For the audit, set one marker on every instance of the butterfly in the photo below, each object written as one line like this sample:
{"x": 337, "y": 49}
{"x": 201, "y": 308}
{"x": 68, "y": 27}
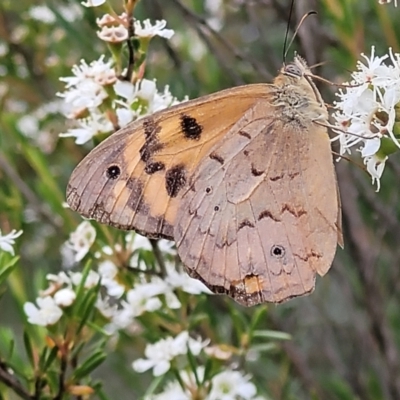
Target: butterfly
{"x": 243, "y": 180}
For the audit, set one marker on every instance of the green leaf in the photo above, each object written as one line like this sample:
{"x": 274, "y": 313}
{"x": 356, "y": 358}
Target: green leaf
{"x": 50, "y": 359}
{"x": 89, "y": 365}
{"x": 7, "y": 268}
{"x": 269, "y": 334}
{"x": 28, "y": 349}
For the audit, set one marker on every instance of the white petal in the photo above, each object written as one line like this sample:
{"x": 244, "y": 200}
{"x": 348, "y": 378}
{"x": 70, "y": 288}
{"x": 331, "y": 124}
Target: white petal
{"x": 161, "y": 368}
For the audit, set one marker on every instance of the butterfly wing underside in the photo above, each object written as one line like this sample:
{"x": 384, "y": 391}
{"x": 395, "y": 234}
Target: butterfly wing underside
{"x": 134, "y": 179}
{"x": 261, "y": 215}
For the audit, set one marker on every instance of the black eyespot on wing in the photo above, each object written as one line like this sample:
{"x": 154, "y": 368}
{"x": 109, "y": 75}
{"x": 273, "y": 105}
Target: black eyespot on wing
{"x": 190, "y": 127}
{"x": 277, "y": 251}
{"x": 113, "y": 172}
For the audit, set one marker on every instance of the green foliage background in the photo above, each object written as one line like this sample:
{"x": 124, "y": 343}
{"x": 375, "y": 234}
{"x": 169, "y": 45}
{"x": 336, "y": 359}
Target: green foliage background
{"x": 346, "y": 335}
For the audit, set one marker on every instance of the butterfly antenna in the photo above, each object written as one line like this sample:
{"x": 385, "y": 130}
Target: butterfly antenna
{"x": 297, "y": 30}
{"x": 285, "y": 47}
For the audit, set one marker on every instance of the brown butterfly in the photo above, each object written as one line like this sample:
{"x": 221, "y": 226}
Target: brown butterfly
{"x": 243, "y": 180}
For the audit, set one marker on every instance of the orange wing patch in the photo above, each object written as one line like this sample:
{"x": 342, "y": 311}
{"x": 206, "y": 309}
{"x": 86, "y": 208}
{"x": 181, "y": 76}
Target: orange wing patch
{"x": 134, "y": 179}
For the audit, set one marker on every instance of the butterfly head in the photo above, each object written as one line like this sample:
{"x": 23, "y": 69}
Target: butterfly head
{"x": 296, "y": 69}
{"x": 297, "y": 77}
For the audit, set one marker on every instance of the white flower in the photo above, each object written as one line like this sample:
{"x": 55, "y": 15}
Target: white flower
{"x": 113, "y": 34}
{"x": 105, "y": 307}
{"x": 89, "y": 127}
{"x": 4, "y": 49}
{"x": 47, "y": 312}
{"x": 149, "y": 30}
{"x": 56, "y": 282}
{"x": 375, "y": 166}
{"x": 7, "y": 241}
{"x": 125, "y": 115}
{"x": 367, "y": 110}
{"x": 85, "y": 89}
{"x": 108, "y": 272}
{"x": 28, "y": 125}
{"x": 387, "y": 2}
{"x": 160, "y": 354}
{"x": 140, "y": 99}
{"x": 231, "y": 385}
{"x": 172, "y": 391}
{"x": 143, "y": 298}
{"x": 112, "y": 20}
{"x": 220, "y": 352}
{"x": 92, "y": 279}
{"x": 60, "y": 279}
{"x": 93, "y": 3}
{"x": 81, "y": 240}
{"x": 64, "y": 297}
{"x": 184, "y": 282}
{"x": 42, "y": 14}
{"x": 88, "y": 94}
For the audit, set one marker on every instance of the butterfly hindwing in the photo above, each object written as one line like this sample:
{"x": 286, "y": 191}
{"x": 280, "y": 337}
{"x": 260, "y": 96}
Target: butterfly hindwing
{"x": 256, "y": 222}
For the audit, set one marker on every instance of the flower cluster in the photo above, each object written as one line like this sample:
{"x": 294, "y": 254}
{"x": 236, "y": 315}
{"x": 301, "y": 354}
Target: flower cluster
{"x": 118, "y": 302}
{"x": 368, "y": 113}
{"x": 96, "y": 99}
{"x": 224, "y": 385}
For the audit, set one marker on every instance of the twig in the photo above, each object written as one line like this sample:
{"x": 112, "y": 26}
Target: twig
{"x": 159, "y": 256}
{"x": 61, "y": 377}
{"x": 12, "y": 382}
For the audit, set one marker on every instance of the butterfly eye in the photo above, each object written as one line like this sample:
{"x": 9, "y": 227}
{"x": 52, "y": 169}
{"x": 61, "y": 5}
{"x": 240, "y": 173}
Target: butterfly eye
{"x": 216, "y": 208}
{"x": 113, "y": 172}
{"x": 278, "y": 251}
{"x": 293, "y": 70}
{"x": 208, "y": 190}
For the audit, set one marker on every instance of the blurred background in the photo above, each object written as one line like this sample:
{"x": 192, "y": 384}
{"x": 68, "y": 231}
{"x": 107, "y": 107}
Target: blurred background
{"x": 346, "y": 335}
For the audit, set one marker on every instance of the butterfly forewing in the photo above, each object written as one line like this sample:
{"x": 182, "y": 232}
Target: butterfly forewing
{"x": 134, "y": 179}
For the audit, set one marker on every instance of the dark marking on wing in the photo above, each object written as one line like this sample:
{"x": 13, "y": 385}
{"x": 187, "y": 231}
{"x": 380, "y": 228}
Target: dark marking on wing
{"x": 312, "y": 254}
{"x": 190, "y": 127}
{"x": 150, "y": 148}
{"x": 245, "y": 134}
{"x": 151, "y": 128}
{"x": 293, "y": 211}
{"x": 244, "y": 223}
{"x": 255, "y": 171}
{"x": 217, "y": 157}
{"x": 293, "y": 175}
{"x": 236, "y": 290}
{"x": 153, "y": 167}
{"x": 113, "y": 172}
{"x": 268, "y": 214}
{"x": 278, "y": 251}
{"x": 135, "y": 201}
{"x": 276, "y": 177}
{"x": 175, "y": 180}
